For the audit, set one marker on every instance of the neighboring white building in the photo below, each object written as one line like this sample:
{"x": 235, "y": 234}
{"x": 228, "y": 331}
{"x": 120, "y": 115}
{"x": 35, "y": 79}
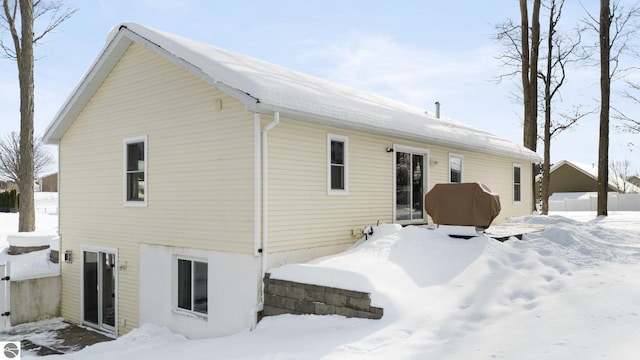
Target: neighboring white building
{"x": 186, "y": 171}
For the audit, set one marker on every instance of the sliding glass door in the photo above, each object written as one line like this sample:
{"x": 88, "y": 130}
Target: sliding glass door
{"x": 99, "y": 289}
{"x": 410, "y": 185}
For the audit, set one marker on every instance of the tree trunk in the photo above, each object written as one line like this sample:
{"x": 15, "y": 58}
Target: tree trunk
{"x": 26, "y": 222}
{"x": 533, "y": 76}
{"x": 546, "y": 165}
{"x": 530, "y": 80}
{"x": 525, "y": 69}
{"x": 605, "y": 93}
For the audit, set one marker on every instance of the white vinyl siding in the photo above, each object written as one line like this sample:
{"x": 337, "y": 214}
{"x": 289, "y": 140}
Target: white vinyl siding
{"x": 337, "y": 164}
{"x": 301, "y": 213}
{"x": 199, "y": 157}
{"x": 200, "y": 171}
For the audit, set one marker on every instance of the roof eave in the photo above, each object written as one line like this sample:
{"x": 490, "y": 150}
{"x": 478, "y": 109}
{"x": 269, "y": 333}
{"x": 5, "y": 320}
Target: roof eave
{"x": 86, "y": 88}
{"x": 104, "y": 64}
{"x": 265, "y": 108}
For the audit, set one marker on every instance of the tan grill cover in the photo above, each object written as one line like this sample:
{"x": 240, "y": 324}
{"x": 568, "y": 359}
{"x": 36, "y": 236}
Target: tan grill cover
{"x": 466, "y": 204}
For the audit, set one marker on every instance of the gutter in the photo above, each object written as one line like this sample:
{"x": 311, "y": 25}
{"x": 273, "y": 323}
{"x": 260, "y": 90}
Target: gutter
{"x": 264, "y": 250}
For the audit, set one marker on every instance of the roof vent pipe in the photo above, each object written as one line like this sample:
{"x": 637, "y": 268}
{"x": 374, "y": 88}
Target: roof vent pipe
{"x": 438, "y": 109}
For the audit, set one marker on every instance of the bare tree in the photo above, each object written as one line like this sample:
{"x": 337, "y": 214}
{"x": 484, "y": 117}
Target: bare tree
{"x": 613, "y": 45}
{"x": 620, "y": 172}
{"x": 561, "y": 50}
{"x": 630, "y": 124}
{"x": 18, "y": 19}
{"x": 10, "y": 157}
{"x": 523, "y": 50}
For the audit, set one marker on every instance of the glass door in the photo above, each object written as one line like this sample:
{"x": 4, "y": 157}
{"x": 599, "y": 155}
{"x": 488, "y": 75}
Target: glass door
{"x": 99, "y": 289}
{"x": 410, "y": 186}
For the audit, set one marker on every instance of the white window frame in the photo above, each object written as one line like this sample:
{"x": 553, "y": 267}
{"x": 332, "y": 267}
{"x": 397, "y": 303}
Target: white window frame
{"x": 513, "y": 182}
{"x": 461, "y": 165}
{"x": 174, "y": 293}
{"x": 345, "y": 141}
{"x": 133, "y": 140}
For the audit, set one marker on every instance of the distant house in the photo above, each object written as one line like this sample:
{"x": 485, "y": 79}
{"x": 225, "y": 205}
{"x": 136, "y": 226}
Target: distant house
{"x": 47, "y": 183}
{"x": 274, "y": 166}
{"x": 635, "y": 180}
{"x": 574, "y": 177}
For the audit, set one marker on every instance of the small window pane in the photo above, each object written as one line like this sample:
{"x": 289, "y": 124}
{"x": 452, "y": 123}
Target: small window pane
{"x": 135, "y": 157}
{"x": 337, "y": 177}
{"x": 337, "y": 152}
{"x": 417, "y": 190}
{"x": 403, "y": 186}
{"x": 455, "y": 169}
{"x": 200, "y": 287}
{"x": 184, "y": 284}
{"x": 337, "y": 165}
{"x": 135, "y": 186}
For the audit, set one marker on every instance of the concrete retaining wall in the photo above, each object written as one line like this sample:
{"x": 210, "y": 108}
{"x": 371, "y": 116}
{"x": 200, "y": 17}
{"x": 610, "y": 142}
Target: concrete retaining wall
{"x": 289, "y": 297}
{"x": 35, "y": 299}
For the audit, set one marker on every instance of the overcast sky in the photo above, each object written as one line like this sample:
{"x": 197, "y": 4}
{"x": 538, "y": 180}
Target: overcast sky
{"x": 418, "y": 52}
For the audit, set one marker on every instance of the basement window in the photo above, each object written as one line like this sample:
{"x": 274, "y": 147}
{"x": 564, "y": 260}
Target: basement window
{"x": 192, "y": 286}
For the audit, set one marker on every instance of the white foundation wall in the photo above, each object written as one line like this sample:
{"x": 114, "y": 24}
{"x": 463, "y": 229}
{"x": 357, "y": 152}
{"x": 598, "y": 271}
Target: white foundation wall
{"x": 234, "y": 285}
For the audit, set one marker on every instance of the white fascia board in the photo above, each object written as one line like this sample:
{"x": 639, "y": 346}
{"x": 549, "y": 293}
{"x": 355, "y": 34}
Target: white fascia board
{"x": 367, "y": 128}
{"x": 243, "y": 97}
{"x": 86, "y": 88}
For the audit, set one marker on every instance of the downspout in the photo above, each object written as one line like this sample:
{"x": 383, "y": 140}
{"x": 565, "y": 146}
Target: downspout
{"x": 264, "y": 249}
{"x": 256, "y": 184}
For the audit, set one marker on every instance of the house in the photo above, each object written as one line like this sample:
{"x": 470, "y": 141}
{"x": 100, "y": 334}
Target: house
{"x": 635, "y": 180}
{"x": 47, "y": 182}
{"x": 570, "y": 177}
{"x": 275, "y": 166}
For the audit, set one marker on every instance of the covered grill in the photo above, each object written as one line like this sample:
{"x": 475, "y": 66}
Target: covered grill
{"x": 462, "y": 204}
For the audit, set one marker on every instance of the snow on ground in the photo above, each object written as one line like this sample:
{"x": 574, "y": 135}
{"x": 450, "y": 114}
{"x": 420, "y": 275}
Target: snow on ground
{"x": 46, "y": 204}
{"x": 568, "y": 292}
{"x": 34, "y": 264}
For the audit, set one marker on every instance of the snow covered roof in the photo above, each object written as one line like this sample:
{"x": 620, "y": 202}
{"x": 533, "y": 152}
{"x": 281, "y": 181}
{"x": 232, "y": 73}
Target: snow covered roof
{"x": 615, "y": 182}
{"x": 265, "y": 88}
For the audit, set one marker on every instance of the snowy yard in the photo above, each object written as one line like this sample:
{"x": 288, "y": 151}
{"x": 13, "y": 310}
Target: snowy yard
{"x": 569, "y": 292}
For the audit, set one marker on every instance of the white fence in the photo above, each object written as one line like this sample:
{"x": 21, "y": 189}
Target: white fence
{"x": 5, "y": 296}
{"x": 615, "y": 202}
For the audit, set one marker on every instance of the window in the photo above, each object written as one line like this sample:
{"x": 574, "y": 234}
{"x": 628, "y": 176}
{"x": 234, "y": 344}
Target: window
{"x": 135, "y": 150}
{"x": 337, "y": 160}
{"x": 517, "y": 186}
{"x": 455, "y": 168}
{"x": 192, "y": 286}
